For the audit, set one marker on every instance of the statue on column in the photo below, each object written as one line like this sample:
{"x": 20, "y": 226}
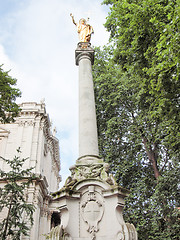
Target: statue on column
{"x": 84, "y": 29}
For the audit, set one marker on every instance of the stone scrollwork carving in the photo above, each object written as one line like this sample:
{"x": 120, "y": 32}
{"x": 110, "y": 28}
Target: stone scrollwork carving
{"x": 120, "y": 236}
{"x": 70, "y": 182}
{"x": 3, "y": 133}
{"x": 127, "y": 231}
{"x": 90, "y": 171}
{"x": 80, "y": 172}
{"x": 131, "y": 231}
{"x": 67, "y": 237}
{"x": 58, "y": 233}
{"x": 92, "y": 210}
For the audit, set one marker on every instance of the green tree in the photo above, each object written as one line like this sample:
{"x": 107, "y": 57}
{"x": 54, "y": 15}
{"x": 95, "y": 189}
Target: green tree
{"x": 8, "y": 94}
{"x": 137, "y": 96}
{"x": 13, "y": 198}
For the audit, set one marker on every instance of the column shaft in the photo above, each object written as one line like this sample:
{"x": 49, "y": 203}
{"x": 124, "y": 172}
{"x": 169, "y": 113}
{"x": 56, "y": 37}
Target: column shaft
{"x": 88, "y": 139}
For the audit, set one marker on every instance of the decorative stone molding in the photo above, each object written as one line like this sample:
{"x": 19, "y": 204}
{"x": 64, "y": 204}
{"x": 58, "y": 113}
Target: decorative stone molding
{"x": 53, "y": 146}
{"x": 127, "y": 231}
{"x": 45, "y": 149}
{"x": 58, "y": 233}
{"x": 41, "y": 126}
{"x": 3, "y": 133}
{"x": 84, "y": 50}
{"x": 89, "y": 171}
{"x": 37, "y": 198}
{"x": 33, "y": 114}
{"x": 49, "y": 215}
{"x": 120, "y": 236}
{"x": 45, "y": 208}
{"x": 66, "y": 236}
{"x": 131, "y": 231}
{"x": 26, "y": 123}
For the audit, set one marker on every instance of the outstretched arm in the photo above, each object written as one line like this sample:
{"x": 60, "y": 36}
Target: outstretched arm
{"x": 73, "y": 19}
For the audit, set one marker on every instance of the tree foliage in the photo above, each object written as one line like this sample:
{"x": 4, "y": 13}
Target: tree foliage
{"x": 137, "y": 96}
{"x": 13, "y": 200}
{"x": 8, "y": 94}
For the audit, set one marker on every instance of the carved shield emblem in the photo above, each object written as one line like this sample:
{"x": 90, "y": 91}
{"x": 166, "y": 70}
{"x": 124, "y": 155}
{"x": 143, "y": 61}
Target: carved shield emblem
{"x": 92, "y": 212}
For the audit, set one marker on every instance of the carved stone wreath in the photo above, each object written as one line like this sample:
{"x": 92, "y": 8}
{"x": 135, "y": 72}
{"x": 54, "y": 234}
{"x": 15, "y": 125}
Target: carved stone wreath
{"x": 96, "y": 171}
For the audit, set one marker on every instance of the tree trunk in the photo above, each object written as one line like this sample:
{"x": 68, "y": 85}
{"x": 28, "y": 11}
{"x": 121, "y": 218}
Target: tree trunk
{"x": 152, "y": 157}
{"x": 7, "y": 220}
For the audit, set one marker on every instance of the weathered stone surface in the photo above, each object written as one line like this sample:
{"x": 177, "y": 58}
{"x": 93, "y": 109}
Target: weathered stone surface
{"x": 92, "y": 209}
{"x": 32, "y": 133}
{"x": 88, "y": 141}
{"x": 91, "y": 203}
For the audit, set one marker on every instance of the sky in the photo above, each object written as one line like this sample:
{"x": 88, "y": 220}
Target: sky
{"x": 37, "y": 43}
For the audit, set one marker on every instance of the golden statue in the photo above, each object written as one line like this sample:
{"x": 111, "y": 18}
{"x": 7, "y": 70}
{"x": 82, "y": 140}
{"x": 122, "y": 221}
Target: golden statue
{"x": 84, "y": 30}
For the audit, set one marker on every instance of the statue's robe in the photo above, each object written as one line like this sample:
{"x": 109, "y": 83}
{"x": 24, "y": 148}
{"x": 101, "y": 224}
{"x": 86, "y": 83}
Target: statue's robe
{"x": 85, "y": 32}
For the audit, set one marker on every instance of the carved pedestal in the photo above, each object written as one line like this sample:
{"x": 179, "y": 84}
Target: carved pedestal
{"x": 91, "y": 206}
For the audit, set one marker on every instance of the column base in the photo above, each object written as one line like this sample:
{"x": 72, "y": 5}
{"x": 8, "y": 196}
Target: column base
{"x": 89, "y": 159}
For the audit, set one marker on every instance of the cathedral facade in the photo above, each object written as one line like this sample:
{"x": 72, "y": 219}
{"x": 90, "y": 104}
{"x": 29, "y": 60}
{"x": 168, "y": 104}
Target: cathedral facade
{"x": 31, "y": 132}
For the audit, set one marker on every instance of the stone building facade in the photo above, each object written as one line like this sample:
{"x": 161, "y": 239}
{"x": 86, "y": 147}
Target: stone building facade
{"x": 32, "y": 133}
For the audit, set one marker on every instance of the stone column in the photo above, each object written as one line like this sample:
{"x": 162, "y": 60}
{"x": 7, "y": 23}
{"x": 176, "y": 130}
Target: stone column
{"x": 88, "y": 139}
{"x": 91, "y": 202}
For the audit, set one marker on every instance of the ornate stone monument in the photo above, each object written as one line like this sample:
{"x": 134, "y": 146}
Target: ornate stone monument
{"x": 91, "y": 202}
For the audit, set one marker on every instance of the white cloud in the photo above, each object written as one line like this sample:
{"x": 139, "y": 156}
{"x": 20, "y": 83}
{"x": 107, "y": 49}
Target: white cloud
{"x": 41, "y": 45}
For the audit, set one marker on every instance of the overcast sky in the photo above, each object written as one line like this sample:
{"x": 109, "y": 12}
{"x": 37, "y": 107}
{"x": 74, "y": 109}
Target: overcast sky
{"x": 38, "y": 42}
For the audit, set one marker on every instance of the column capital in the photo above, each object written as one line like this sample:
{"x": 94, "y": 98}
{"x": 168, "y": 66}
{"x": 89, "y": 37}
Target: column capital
{"x": 84, "y": 50}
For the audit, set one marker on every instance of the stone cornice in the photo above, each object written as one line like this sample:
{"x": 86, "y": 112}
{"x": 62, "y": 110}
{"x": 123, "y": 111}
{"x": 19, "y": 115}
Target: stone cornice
{"x": 3, "y": 133}
{"x": 38, "y": 180}
{"x": 31, "y": 113}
